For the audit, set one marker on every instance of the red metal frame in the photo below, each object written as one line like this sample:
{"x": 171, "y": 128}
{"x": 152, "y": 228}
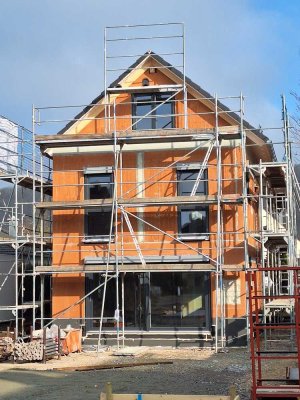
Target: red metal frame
{"x": 259, "y": 387}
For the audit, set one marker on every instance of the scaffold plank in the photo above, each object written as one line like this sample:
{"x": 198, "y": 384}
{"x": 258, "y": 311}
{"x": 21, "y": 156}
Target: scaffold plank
{"x": 48, "y": 269}
{"x": 139, "y": 202}
{"x": 163, "y": 134}
{"x": 133, "y": 137}
{"x": 28, "y": 181}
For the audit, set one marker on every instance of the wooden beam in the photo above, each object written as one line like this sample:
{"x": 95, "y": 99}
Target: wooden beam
{"x": 232, "y": 268}
{"x": 154, "y": 267}
{"x": 121, "y": 135}
{"x": 139, "y": 202}
{"x": 138, "y": 136}
{"x": 112, "y": 366}
{"x": 52, "y": 269}
{"x": 119, "y": 396}
{"x": 108, "y": 391}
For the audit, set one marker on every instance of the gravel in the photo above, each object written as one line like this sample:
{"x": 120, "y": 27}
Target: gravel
{"x": 193, "y": 371}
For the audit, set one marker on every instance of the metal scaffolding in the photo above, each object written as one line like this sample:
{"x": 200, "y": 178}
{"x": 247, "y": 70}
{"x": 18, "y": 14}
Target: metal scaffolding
{"x": 128, "y": 248}
{"x": 18, "y": 226}
{"x": 274, "y": 283}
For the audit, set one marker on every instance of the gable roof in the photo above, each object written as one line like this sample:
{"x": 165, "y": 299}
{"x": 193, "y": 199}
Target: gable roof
{"x": 189, "y": 82}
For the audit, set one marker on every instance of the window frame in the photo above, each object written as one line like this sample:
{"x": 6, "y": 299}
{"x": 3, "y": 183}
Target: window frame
{"x": 154, "y": 103}
{"x": 193, "y": 236}
{"x": 101, "y": 171}
{"x": 193, "y": 168}
{"x": 200, "y": 207}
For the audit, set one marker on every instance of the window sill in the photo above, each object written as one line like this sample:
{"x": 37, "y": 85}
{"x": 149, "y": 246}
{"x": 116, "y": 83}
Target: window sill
{"x": 192, "y": 238}
{"x": 98, "y": 239}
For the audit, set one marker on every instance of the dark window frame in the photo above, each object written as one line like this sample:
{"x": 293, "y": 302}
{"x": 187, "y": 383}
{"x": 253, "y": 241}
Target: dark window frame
{"x": 101, "y": 237}
{"x": 154, "y": 101}
{"x": 192, "y": 236}
{"x": 203, "y": 181}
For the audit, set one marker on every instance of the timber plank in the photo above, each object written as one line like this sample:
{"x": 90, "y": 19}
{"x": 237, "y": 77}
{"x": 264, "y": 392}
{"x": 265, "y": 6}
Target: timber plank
{"x": 124, "y": 268}
{"x": 112, "y": 366}
{"x": 137, "y": 202}
{"x": 121, "y": 396}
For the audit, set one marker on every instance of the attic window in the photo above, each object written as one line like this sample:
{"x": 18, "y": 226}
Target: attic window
{"x": 147, "y": 115}
{"x": 152, "y": 70}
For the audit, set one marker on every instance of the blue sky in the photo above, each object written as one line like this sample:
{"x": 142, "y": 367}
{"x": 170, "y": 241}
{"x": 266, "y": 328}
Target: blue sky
{"x": 52, "y": 50}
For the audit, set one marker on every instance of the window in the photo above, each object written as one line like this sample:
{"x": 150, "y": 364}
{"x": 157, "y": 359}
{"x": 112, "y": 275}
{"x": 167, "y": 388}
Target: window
{"x": 179, "y": 299}
{"x": 161, "y": 118}
{"x": 186, "y": 180}
{"x": 97, "y": 221}
{"x": 192, "y": 220}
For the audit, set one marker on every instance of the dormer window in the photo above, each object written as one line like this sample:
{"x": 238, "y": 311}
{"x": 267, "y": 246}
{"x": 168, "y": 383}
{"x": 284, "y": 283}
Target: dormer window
{"x": 146, "y": 105}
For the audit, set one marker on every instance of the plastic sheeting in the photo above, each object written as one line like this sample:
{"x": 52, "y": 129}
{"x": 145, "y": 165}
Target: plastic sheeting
{"x": 8, "y": 145}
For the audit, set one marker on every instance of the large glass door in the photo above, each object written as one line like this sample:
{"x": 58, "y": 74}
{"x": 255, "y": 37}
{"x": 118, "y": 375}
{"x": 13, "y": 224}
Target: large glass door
{"x": 180, "y": 300}
{"x": 136, "y": 301}
{"x": 93, "y": 302}
{"x": 156, "y": 300}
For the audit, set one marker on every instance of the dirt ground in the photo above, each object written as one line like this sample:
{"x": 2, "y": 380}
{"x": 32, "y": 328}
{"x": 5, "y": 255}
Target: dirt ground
{"x": 193, "y": 371}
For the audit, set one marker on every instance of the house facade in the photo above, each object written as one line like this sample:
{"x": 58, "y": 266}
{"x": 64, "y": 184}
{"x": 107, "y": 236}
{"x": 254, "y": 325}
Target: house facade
{"x": 152, "y": 210}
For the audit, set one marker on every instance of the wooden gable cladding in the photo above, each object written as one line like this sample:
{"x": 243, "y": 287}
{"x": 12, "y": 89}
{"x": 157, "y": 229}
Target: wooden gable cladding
{"x": 200, "y": 115}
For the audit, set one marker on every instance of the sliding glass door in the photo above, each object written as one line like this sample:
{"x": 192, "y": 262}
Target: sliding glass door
{"x": 156, "y": 300}
{"x": 179, "y": 300}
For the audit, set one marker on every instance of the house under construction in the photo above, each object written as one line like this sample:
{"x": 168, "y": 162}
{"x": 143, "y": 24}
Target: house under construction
{"x": 163, "y": 198}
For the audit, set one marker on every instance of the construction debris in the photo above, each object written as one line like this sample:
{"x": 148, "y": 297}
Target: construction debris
{"x": 32, "y": 351}
{"x": 6, "y": 348}
{"x": 71, "y": 341}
